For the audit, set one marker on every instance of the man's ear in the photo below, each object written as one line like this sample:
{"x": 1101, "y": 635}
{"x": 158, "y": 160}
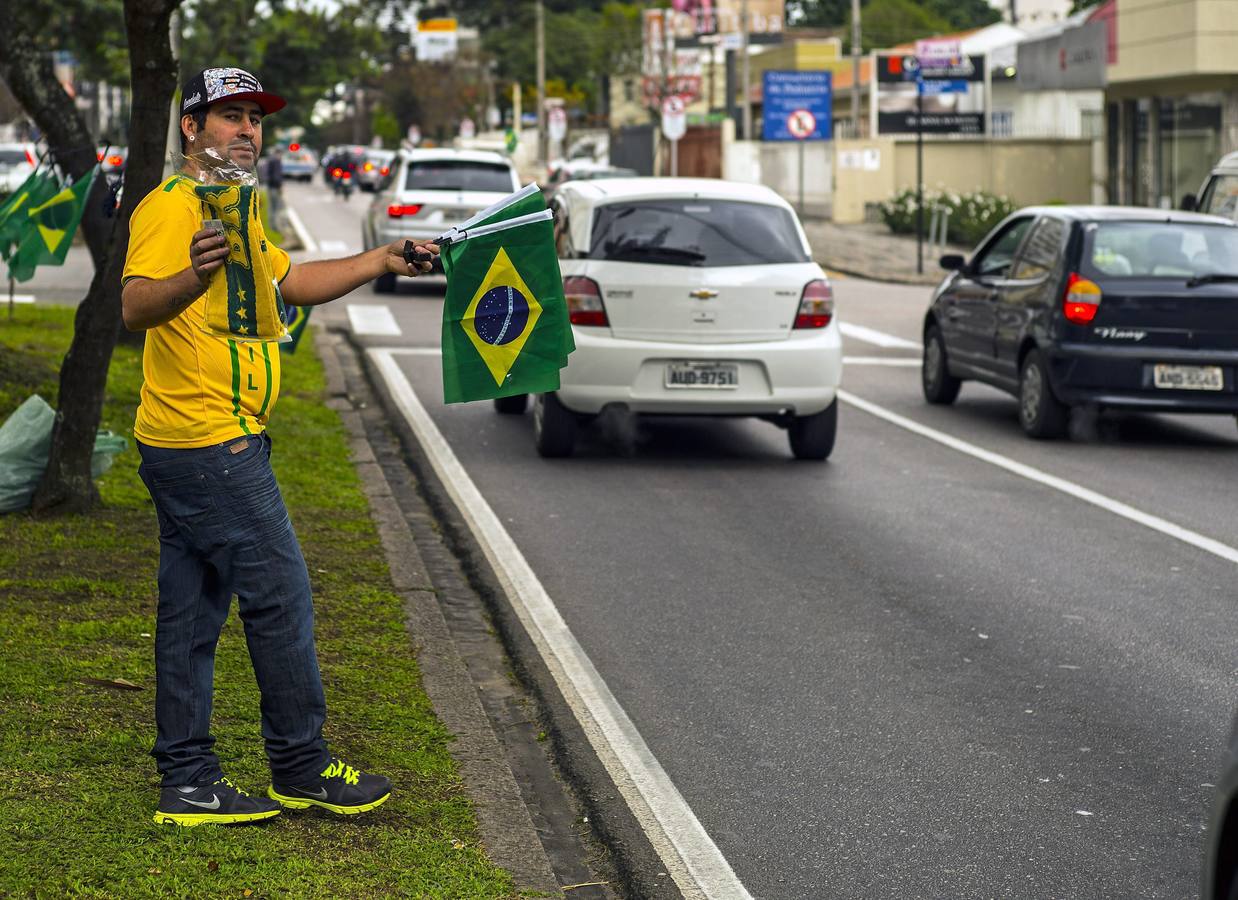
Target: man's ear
{"x": 189, "y": 128}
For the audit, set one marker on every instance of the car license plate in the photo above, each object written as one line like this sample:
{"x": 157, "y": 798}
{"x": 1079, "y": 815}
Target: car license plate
{"x": 713, "y": 375}
{"x": 1188, "y": 378}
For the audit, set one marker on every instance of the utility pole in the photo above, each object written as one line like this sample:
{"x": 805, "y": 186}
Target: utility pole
{"x": 855, "y": 69}
{"x": 541, "y": 84}
{"x": 745, "y": 69}
{"x": 1014, "y": 16}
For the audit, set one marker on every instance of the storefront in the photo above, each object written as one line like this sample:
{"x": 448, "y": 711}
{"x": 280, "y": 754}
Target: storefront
{"x": 1172, "y": 97}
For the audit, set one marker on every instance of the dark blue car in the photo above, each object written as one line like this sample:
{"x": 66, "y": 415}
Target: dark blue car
{"x": 1106, "y": 307}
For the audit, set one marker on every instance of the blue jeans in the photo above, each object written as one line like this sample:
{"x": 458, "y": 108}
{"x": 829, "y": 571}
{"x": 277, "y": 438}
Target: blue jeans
{"x": 224, "y": 530}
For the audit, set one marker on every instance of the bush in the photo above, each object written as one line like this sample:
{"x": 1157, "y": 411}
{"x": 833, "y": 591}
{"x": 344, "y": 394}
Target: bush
{"x": 972, "y": 215}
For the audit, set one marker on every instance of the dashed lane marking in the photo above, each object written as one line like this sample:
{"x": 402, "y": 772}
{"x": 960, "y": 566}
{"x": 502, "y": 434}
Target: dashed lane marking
{"x": 372, "y": 319}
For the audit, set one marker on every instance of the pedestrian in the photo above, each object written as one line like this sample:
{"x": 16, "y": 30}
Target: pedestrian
{"x": 223, "y": 526}
{"x": 274, "y": 180}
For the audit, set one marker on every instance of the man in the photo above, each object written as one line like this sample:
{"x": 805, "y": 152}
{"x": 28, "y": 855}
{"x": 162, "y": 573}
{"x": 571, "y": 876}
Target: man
{"x": 223, "y": 527}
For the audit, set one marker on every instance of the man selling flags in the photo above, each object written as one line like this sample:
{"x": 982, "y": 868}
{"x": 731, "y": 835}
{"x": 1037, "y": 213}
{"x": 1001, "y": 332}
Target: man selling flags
{"x": 505, "y": 323}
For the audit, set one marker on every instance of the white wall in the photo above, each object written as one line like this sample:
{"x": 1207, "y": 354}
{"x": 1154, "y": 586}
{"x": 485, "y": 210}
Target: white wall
{"x": 1043, "y": 114}
{"x": 777, "y": 165}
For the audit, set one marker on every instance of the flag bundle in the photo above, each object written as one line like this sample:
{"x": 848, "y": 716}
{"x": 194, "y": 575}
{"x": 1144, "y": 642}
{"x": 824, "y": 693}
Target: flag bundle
{"x": 38, "y": 220}
{"x": 505, "y": 324}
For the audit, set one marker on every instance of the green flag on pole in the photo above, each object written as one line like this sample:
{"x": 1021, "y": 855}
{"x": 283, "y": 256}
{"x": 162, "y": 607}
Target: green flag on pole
{"x": 49, "y": 230}
{"x": 297, "y": 319}
{"x": 505, "y": 325}
{"x": 36, "y": 189}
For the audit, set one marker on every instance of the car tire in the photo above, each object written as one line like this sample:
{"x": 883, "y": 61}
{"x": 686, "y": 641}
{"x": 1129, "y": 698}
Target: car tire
{"x": 812, "y": 437}
{"x": 511, "y": 406}
{"x": 385, "y": 283}
{"x": 1041, "y": 415}
{"x": 939, "y": 386}
{"x": 554, "y": 427}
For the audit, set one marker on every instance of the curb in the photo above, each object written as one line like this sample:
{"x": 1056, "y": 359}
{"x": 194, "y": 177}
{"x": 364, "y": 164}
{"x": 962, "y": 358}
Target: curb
{"x": 506, "y": 827}
{"x": 925, "y": 280}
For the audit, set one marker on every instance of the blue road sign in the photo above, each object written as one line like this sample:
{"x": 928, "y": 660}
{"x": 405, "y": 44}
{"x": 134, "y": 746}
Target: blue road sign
{"x": 931, "y": 87}
{"x": 798, "y": 106}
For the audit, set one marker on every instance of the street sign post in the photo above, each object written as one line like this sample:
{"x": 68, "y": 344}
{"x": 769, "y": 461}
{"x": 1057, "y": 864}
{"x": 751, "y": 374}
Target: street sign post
{"x": 674, "y": 127}
{"x": 798, "y": 107}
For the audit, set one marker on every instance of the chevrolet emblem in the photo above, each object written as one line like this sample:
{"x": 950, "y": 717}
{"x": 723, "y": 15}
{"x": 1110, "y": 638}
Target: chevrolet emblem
{"x": 704, "y": 294}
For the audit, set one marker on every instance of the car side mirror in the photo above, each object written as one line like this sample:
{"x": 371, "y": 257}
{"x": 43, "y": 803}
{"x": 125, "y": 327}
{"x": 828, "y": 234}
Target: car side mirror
{"x": 1190, "y": 203}
{"x": 952, "y": 262}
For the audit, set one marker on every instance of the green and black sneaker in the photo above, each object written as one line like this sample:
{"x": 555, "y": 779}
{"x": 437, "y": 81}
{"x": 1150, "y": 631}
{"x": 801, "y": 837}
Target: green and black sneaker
{"x": 218, "y": 803}
{"x": 340, "y": 788}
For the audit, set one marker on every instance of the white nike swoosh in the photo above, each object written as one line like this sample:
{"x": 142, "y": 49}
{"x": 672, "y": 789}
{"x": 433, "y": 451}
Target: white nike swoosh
{"x": 212, "y": 804}
{"x": 321, "y": 793}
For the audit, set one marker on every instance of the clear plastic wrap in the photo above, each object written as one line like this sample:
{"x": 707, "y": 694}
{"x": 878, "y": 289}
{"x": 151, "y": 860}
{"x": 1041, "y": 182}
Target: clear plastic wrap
{"x": 243, "y": 301}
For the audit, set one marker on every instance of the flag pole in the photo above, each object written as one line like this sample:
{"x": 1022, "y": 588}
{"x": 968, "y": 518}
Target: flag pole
{"x": 12, "y": 302}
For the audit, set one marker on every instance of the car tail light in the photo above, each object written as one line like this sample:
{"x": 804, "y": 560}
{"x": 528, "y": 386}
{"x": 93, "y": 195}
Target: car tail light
{"x": 584, "y": 301}
{"x": 115, "y": 160}
{"x": 384, "y": 171}
{"x": 816, "y": 305}
{"x": 369, "y": 167}
{"x": 98, "y": 156}
{"x": 337, "y": 172}
{"x": 294, "y": 147}
{"x": 346, "y": 175}
{"x": 396, "y": 210}
{"x": 1081, "y": 299}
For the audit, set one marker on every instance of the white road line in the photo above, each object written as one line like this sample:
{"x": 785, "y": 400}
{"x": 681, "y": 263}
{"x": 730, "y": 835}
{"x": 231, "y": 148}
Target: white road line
{"x": 333, "y": 246}
{"x": 881, "y": 361}
{"x": 871, "y": 336}
{"x": 689, "y": 854}
{"x": 17, "y": 298}
{"x": 1207, "y": 544}
{"x": 372, "y": 319}
{"x": 303, "y": 235}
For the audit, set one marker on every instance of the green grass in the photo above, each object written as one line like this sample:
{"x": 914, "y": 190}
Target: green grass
{"x": 77, "y": 601}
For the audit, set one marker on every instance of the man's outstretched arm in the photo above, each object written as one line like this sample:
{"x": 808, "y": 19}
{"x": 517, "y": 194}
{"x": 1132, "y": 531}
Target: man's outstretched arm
{"x": 311, "y": 283}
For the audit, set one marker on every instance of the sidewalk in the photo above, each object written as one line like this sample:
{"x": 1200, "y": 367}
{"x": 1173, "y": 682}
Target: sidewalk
{"x": 872, "y": 251}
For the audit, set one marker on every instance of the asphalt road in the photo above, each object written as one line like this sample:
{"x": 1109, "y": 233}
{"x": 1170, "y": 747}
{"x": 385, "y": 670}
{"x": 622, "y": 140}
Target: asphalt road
{"x": 906, "y": 672}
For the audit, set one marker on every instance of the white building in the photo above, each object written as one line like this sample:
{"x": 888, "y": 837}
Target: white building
{"x": 1032, "y": 13}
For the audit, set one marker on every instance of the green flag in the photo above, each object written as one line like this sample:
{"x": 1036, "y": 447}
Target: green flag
{"x": 505, "y": 326}
{"x": 40, "y": 186}
{"x": 49, "y": 230}
{"x": 298, "y": 318}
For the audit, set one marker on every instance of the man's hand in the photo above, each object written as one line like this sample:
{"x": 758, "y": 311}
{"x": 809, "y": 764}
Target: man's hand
{"x": 398, "y": 265}
{"x": 207, "y": 251}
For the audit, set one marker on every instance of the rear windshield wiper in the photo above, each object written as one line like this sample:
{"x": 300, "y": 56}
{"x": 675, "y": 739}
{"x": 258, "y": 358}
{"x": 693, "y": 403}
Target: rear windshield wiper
{"x": 1211, "y": 278}
{"x": 634, "y": 249}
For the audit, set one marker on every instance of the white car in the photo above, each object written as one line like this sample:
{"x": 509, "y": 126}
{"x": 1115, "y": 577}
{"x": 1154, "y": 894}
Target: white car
{"x": 691, "y": 297}
{"x": 17, "y": 161}
{"x": 426, "y": 192}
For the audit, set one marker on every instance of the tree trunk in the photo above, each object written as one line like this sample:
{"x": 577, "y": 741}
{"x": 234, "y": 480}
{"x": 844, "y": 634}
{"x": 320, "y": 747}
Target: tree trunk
{"x": 67, "y": 486}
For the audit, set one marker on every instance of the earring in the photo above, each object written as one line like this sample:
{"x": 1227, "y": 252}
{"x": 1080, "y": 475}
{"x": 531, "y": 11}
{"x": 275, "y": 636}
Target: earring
{"x": 191, "y": 137}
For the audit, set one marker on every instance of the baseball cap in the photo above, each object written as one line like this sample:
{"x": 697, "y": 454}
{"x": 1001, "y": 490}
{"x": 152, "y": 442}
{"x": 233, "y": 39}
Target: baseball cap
{"x": 228, "y": 83}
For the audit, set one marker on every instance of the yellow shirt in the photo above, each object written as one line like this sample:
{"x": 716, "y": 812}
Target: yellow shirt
{"x": 197, "y": 389}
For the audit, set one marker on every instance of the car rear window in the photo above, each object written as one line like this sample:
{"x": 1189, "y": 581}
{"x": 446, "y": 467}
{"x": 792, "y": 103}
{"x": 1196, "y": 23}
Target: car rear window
{"x": 1159, "y": 250}
{"x": 452, "y": 175}
{"x": 12, "y": 157}
{"x": 696, "y": 233}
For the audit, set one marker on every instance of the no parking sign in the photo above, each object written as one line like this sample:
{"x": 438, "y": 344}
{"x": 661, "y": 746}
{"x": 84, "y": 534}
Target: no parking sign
{"x": 798, "y": 106}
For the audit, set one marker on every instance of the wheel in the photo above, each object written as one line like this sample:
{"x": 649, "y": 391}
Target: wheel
{"x": 511, "y": 406}
{"x": 554, "y": 427}
{"x": 812, "y": 437}
{"x": 1041, "y": 414}
{"x": 385, "y": 283}
{"x": 940, "y": 387}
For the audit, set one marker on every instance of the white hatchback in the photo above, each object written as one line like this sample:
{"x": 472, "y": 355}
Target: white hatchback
{"x": 691, "y": 297}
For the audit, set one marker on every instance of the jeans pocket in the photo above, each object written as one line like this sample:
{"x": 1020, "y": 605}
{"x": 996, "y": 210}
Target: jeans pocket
{"x": 184, "y": 498}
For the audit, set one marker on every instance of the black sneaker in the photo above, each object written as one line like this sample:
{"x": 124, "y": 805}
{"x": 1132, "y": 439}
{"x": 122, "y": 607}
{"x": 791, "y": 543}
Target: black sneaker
{"x": 219, "y": 803}
{"x": 340, "y": 788}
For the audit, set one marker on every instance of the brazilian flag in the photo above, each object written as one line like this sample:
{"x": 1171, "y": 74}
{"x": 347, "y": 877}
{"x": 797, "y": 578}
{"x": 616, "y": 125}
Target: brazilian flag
{"x": 505, "y": 325}
{"x": 40, "y": 186}
{"x": 297, "y": 318}
{"x": 50, "y": 227}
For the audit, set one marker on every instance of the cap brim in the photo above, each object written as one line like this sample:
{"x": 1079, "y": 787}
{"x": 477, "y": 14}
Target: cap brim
{"x": 268, "y": 103}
